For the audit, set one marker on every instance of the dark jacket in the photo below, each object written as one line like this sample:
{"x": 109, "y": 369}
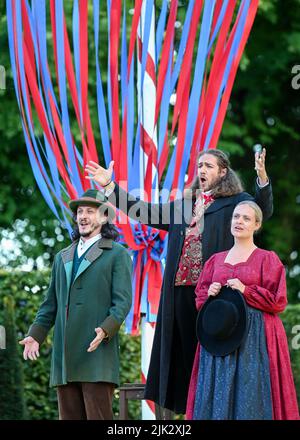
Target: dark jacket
{"x": 100, "y": 296}
{"x": 175, "y": 217}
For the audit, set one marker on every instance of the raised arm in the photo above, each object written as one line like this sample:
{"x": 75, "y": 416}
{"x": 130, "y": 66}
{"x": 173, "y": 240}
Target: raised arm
{"x": 263, "y": 188}
{"x": 153, "y": 214}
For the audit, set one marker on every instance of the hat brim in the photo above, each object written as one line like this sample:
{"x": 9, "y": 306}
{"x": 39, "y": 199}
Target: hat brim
{"x": 216, "y": 346}
{"x": 89, "y": 201}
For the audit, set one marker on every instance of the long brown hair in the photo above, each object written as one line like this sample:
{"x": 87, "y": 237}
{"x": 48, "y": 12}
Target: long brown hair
{"x": 228, "y": 185}
{"x": 108, "y": 230}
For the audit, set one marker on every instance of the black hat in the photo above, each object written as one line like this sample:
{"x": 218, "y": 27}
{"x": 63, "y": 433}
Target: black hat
{"x": 93, "y": 197}
{"x": 222, "y": 322}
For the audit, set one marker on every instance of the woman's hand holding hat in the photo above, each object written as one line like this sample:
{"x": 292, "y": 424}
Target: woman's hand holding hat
{"x": 236, "y": 284}
{"x": 222, "y": 320}
{"x": 214, "y": 289}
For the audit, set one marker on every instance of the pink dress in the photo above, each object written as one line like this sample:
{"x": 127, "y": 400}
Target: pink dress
{"x": 263, "y": 274}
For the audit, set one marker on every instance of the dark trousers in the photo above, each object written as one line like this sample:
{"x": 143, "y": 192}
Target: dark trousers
{"x": 85, "y": 401}
{"x": 184, "y": 346}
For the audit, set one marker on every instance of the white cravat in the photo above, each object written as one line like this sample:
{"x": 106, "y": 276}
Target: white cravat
{"x": 84, "y": 245}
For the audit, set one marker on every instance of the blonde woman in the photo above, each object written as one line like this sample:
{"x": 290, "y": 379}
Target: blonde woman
{"x": 254, "y": 381}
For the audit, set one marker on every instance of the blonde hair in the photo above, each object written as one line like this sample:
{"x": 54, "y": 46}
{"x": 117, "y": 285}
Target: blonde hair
{"x": 256, "y": 209}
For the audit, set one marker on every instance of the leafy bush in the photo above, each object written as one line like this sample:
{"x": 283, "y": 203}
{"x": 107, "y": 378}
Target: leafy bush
{"x": 291, "y": 322}
{"x": 12, "y": 404}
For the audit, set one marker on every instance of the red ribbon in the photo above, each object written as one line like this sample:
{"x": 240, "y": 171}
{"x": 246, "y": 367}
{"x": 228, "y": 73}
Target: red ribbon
{"x": 249, "y": 22}
{"x": 169, "y": 36}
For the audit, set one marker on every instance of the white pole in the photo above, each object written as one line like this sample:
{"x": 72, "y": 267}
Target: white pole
{"x": 147, "y": 109}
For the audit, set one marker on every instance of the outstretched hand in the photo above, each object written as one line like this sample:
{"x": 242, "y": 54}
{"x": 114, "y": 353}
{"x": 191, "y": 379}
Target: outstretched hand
{"x": 31, "y": 348}
{"x": 99, "y": 174}
{"x": 260, "y": 167}
{"x": 97, "y": 340}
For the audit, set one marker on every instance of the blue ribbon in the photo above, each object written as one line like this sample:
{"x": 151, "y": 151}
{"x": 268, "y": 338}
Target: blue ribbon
{"x": 130, "y": 124}
{"x": 197, "y": 86}
{"x": 232, "y": 54}
{"x": 108, "y": 67}
{"x": 39, "y": 14}
{"x": 73, "y": 171}
{"x": 160, "y": 29}
{"x": 76, "y": 50}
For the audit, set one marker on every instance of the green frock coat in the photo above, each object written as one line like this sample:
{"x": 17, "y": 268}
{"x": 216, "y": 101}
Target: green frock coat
{"x": 100, "y": 296}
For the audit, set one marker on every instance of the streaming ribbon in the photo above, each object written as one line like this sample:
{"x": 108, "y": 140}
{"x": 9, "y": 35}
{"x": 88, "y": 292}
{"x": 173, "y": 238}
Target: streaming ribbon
{"x": 136, "y": 123}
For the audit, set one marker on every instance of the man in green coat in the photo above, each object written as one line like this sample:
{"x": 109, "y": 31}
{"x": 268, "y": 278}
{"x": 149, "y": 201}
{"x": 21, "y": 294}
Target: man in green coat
{"x": 90, "y": 292}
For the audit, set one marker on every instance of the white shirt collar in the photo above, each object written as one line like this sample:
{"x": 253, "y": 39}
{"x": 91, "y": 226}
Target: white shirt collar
{"x": 207, "y": 193}
{"x": 84, "y": 245}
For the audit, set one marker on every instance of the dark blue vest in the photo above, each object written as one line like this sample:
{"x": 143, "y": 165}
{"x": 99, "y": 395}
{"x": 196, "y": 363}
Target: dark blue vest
{"x": 76, "y": 263}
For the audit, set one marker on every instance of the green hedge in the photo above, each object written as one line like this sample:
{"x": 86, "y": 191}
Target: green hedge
{"x": 12, "y": 403}
{"x": 28, "y": 290}
{"x": 291, "y": 322}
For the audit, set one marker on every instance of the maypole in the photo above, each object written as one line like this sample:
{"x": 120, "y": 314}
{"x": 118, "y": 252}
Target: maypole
{"x": 146, "y": 92}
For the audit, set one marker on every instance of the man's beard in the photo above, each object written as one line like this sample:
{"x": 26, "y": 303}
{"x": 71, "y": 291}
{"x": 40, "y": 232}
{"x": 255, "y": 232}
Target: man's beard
{"x": 212, "y": 185}
{"x": 85, "y": 234}
{"x": 89, "y": 232}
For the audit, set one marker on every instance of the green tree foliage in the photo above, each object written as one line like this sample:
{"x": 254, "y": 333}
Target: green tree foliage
{"x": 12, "y": 403}
{"x": 28, "y": 289}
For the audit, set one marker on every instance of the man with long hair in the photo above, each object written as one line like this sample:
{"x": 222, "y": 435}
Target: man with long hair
{"x": 198, "y": 226}
{"x": 89, "y": 292}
